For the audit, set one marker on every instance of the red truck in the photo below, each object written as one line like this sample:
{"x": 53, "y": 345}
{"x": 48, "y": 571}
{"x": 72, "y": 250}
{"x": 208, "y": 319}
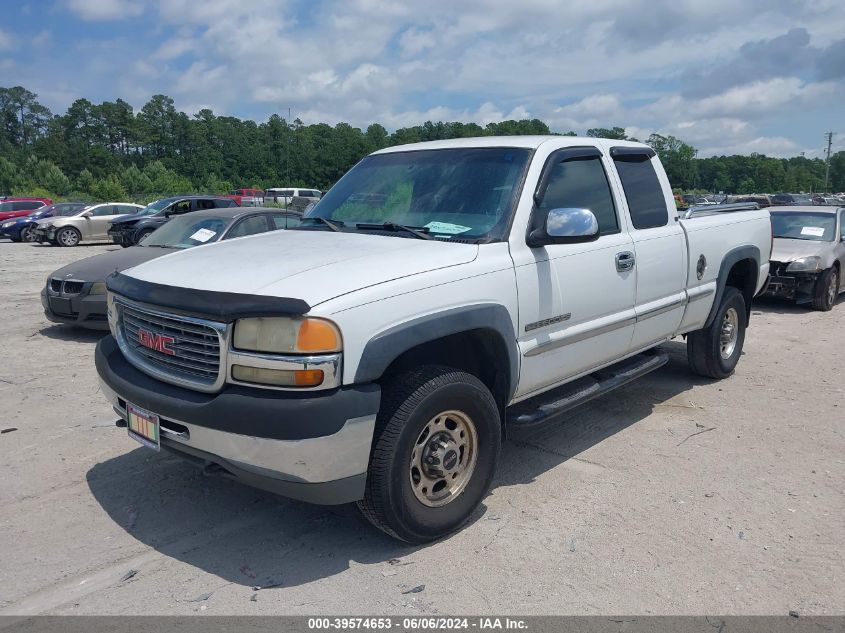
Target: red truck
{"x": 19, "y": 207}
{"x": 247, "y": 197}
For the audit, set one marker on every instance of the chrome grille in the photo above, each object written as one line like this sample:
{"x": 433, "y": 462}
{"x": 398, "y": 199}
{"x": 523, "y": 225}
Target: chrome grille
{"x": 195, "y": 346}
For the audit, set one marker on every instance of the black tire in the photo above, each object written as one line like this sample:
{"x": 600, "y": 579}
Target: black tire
{"x": 68, "y": 236}
{"x": 827, "y": 290}
{"x": 705, "y": 347}
{"x": 141, "y": 235}
{"x": 410, "y": 404}
{"x": 28, "y": 234}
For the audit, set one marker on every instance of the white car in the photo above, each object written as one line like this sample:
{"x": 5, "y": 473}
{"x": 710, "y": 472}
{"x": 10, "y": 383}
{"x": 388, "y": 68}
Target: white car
{"x": 285, "y": 195}
{"x": 439, "y": 295}
{"x": 90, "y": 224}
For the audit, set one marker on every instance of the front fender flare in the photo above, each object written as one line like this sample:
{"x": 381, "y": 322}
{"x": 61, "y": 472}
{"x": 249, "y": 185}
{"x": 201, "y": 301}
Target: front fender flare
{"x": 381, "y": 350}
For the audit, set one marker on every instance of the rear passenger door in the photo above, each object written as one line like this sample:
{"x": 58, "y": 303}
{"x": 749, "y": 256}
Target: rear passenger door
{"x": 100, "y": 219}
{"x": 660, "y": 257}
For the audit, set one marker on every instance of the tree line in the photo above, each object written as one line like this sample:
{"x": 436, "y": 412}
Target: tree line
{"x": 110, "y": 151}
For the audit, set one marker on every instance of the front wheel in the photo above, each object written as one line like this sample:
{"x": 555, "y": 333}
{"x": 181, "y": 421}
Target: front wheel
{"x": 438, "y": 437}
{"x": 141, "y": 236}
{"x": 28, "y": 234}
{"x": 714, "y": 351}
{"x": 68, "y": 236}
{"x": 826, "y": 290}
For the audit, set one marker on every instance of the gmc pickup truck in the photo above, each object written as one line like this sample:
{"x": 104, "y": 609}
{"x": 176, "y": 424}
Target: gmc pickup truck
{"x": 438, "y": 297}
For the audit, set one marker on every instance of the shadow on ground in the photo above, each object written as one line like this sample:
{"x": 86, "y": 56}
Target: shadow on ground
{"x": 769, "y": 305}
{"x": 72, "y": 333}
{"x": 249, "y": 537}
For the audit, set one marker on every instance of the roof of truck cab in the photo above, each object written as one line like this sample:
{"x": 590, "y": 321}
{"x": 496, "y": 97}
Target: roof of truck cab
{"x": 528, "y": 142}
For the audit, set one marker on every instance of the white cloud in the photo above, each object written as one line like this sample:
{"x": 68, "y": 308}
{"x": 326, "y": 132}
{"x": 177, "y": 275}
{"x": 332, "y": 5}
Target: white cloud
{"x": 97, "y": 10}
{"x": 5, "y": 40}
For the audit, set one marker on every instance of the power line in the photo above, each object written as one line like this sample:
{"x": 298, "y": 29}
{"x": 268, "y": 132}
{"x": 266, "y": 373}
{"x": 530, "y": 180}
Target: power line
{"x": 829, "y": 137}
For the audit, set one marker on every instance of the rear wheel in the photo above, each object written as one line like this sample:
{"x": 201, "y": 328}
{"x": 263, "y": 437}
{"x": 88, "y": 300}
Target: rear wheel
{"x": 826, "y": 290}
{"x": 68, "y": 236}
{"x": 714, "y": 351}
{"x": 437, "y": 443}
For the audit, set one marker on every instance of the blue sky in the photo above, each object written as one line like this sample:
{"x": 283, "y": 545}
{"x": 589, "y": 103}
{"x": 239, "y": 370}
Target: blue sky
{"x": 728, "y": 76}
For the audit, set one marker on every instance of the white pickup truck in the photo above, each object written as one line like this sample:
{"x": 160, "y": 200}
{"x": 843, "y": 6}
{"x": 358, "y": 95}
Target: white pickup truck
{"x": 438, "y": 296}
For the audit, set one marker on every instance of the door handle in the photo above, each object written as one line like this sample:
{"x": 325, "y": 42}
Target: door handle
{"x": 625, "y": 261}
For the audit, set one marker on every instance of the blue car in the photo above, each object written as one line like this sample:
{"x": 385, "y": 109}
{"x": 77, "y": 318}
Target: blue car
{"x": 23, "y": 229}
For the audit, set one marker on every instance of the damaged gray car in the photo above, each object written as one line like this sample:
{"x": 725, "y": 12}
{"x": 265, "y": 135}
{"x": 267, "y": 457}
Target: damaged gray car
{"x": 808, "y": 254}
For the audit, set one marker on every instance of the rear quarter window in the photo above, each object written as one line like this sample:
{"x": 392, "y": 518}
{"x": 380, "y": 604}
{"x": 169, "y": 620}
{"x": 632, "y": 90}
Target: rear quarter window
{"x": 642, "y": 191}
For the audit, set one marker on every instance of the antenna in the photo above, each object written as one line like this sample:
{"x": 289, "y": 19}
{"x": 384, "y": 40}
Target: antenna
{"x": 829, "y": 137}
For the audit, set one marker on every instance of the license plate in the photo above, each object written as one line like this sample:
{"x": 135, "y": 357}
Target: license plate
{"x": 143, "y": 427}
{"x": 60, "y": 305}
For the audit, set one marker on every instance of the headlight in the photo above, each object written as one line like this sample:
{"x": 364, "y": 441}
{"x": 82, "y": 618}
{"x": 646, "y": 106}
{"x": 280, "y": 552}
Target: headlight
{"x": 284, "y": 335}
{"x": 805, "y": 265}
{"x": 6, "y": 225}
{"x": 98, "y": 288}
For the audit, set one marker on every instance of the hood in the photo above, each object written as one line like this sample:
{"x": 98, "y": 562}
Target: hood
{"x": 98, "y": 267}
{"x": 786, "y": 250}
{"x": 314, "y": 266}
{"x": 133, "y": 217}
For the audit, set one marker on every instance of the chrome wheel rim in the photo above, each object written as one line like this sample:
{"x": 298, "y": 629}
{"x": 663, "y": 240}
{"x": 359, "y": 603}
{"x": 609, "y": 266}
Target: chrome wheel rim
{"x": 729, "y": 333}
{"x": 28, "y": 234}
{"x": 832, "y": 288}
{"x": 443, "y": 458}
{"x": 68, "y": 238}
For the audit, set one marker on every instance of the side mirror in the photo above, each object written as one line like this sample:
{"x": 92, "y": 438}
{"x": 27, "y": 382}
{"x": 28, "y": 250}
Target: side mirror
{"x": 565, "y": 226}
{"x": 86, "y": 214}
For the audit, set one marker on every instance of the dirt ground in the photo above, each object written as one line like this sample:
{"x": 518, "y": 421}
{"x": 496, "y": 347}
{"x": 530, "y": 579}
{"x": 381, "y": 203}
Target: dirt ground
{"x": 674, "y": 495}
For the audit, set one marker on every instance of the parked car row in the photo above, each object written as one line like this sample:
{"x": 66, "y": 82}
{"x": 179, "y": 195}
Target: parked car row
{"x": 76, "y": 293}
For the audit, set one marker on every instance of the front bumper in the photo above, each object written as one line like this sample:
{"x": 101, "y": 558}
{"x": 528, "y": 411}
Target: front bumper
{"x": 787, "y": 285}
{"x": 84, "y": 310}
{"x": 121, "y": 237}
{"x": 305, "y": 445}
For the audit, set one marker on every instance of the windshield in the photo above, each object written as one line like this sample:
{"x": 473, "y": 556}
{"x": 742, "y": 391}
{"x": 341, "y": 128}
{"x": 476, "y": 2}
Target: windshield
{"x": 816, "y": 227}
{"x": 466, "y": 193}
{"x": 155, "y": 207}
{"x": 186, "y": 231}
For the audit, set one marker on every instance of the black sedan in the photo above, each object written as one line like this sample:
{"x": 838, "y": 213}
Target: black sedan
{"x": 128, "y": 230}
{"x": 76, "y": 294}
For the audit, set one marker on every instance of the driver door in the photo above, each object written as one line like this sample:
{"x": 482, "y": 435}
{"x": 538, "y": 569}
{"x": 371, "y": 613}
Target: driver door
{"x": 576, "y": 300}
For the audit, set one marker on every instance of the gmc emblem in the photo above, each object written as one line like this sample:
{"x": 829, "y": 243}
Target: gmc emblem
{"x": 156, "y": 342}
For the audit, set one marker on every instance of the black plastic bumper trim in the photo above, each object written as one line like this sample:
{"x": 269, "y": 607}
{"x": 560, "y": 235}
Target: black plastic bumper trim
{"x": 243, "y": 410}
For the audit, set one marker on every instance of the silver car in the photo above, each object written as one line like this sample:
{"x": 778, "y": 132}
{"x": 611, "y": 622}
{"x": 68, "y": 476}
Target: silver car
{"x": 808, "y": 254}
{"x": 92, "y": 223}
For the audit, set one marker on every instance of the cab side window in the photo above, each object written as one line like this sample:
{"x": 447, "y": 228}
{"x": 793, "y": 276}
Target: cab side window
{"x": 582, "y": 184}
{"x": 643, "y": 191}
{"x": 106, "y": 209}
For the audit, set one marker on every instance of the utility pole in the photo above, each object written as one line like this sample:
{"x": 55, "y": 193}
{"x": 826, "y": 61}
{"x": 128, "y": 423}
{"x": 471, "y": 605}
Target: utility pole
{"x": 829, "y": 136}
{"x": 287, "y": 150}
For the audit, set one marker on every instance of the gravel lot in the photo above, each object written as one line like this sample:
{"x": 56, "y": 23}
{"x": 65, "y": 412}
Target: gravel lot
{"x": 674, "y": 495}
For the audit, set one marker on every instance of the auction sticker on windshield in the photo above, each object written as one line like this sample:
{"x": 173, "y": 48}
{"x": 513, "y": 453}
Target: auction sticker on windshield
{"x": 815, "y": 231}
{"x": 143, "y": 427}
{"x": 447, "y": 228}
{"x": 203, "y": 235}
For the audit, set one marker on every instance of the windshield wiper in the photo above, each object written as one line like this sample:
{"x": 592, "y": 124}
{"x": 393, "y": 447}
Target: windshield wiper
{"x": 334, "y": 226}
{"x": 420, "y": 232}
